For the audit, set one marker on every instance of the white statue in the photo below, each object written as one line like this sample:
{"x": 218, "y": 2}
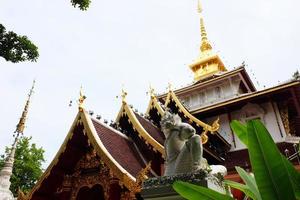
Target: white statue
{"x": 183, "y": 148}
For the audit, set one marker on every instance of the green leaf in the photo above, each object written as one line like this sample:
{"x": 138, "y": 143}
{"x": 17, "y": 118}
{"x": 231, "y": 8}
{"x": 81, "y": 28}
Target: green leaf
{"x": 271, "y": 175}
{"x": 240, "y": 130}
{"x": 195, "y": 192}
{"x": 294, "y": 175}
{"x": 241, "y": 187}
{"x": 249, "y": 181}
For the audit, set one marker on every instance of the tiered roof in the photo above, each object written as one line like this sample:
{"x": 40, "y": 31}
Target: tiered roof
{"x": 125, "y": 148}
{"x": 125, "y": 162}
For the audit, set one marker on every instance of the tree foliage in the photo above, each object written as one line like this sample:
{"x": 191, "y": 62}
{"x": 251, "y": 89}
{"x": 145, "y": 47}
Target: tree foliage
{"x": 27, "y": 166}
{"x": 16, "y": 48}
{"x": 82, "y": 4}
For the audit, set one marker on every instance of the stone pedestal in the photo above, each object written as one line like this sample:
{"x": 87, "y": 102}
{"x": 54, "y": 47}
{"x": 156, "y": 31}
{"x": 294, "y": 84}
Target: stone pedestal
{"x": 160, "y": 188}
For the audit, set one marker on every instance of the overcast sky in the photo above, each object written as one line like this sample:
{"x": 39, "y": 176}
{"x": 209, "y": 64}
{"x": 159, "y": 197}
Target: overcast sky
{"x": 135, "y": 43}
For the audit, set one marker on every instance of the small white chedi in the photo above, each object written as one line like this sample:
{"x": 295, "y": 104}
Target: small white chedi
{"x": 5, "y": 174}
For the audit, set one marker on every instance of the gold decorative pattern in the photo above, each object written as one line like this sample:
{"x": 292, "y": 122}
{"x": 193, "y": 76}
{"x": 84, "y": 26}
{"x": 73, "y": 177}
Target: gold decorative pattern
{"x": 119, "y": 172}
{"x": 78, "y": 179}
{"x": 122, "y": 174}
{"x": 284, "y": 114}
{"x": 140, "y": 178}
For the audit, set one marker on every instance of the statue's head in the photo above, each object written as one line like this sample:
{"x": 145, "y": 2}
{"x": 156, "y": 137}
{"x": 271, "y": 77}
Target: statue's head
{"x": 169, "y": 121}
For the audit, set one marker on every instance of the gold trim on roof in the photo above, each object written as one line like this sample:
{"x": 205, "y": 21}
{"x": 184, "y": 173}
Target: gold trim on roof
{"x": 213, "y": 128}
{"x": 55, "y": 160}
{"x": 104, "y": 154}
{"x": 153, "y": 103}
{"x": 140, "y": 129}
{"x": 82, "y": 117}
{"x": 206, "y": 128}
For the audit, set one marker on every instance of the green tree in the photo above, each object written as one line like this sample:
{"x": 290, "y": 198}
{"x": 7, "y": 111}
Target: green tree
{"x": 27, "y": 166}
{"x": 82, "y": 4}
{"x": 16, "y": 48}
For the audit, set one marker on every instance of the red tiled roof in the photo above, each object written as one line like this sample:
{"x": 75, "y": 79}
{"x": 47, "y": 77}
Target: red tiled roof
{"x": 120, "y": 148}
{"x": 151, "y": 129}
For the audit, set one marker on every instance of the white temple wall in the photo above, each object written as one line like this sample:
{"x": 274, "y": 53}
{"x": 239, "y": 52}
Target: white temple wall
{"x": 219, "y": 92}
{"x": 264, "y": 111}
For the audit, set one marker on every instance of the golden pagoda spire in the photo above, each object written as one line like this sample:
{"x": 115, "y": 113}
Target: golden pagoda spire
{"x": 21, "y": 125}
{"x": 208, "y": 63}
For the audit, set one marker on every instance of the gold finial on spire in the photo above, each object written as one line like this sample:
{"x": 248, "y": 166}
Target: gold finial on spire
{"x": 199, "y": 7}
{"x": 21, "y": 125}
{"x": 151, "y": 91}
{"x": 170, "y": 86}
{"x": 123, "y": 95}
{"x": 205, "y": 45}
{"x": 81, "y": 100}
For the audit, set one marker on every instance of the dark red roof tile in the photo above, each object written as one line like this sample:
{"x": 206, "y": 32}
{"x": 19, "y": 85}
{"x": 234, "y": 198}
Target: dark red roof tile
{"x": 121, "y": 148}
{"x": 155, "y": 132}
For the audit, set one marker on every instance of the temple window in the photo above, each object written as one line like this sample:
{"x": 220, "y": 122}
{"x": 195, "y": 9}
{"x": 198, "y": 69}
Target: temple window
{"x": 201, "y": 98}
{"x": 218, "y": 92}
{"x": 252, "y": 111}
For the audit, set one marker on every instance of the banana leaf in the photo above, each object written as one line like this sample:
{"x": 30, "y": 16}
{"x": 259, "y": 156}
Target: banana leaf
{"x": 195, "y": 192}
{"x": 271, "y": 175}
{"x": 240, "y": 130}
{"x": 294, "y": 175}
{"x": 244, "y": 188}
{"x": 250, "y": 187}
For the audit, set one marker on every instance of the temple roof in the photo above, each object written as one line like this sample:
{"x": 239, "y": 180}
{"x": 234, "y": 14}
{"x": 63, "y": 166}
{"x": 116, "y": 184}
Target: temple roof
{"x": 124, "y": 161}
{"x": 151, "y": 134}
{"x": 126, "y": 154}
{"x": 154, "y": 131}
{"x": 172, "y": 96}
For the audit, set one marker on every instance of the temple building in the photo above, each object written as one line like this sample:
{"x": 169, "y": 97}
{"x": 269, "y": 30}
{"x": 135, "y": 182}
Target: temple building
{"x": 110, "y": 160}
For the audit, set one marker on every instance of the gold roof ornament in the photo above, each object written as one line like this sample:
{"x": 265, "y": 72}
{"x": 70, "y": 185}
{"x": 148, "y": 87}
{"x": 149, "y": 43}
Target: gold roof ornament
{"x": 136, "y": 187}
{"x": 124, "y": 95}
{"x": 151, "y": 92}
{"x": 208, "y": 63}
{"x": 170, "y": 86}
{"x": 21, "y": 125}
{"x": 81, "y": 100}
{"x": 153, "y": 103}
